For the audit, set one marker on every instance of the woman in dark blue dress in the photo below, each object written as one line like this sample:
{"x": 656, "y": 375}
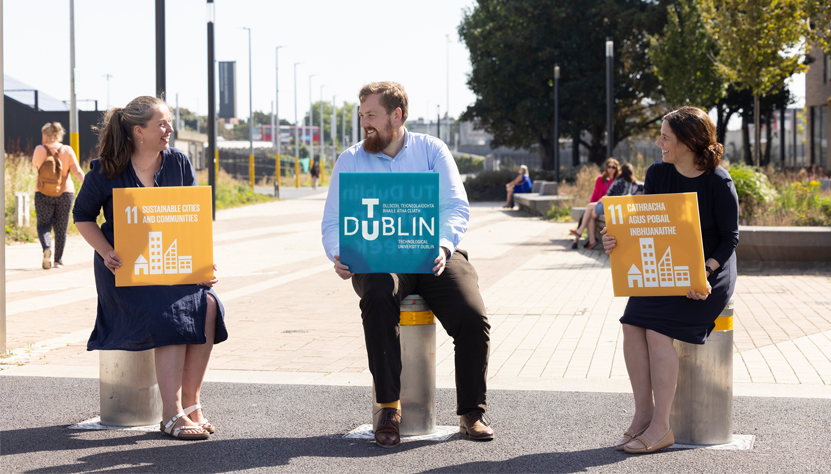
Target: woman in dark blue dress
{"x": 180, "y": 322}
{"x": 691, "y": 158}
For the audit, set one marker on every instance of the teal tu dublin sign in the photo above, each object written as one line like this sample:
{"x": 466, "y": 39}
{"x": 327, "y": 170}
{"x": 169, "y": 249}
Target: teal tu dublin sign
{"x": 389, "y": 222}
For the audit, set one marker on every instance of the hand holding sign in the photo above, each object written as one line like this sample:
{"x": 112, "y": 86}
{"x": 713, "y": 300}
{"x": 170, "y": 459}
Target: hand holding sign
{"x": 659, "y": 247}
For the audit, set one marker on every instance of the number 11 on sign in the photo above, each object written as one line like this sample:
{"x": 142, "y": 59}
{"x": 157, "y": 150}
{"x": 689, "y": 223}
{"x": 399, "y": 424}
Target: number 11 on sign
{"x": 619, "y": 213}
{"x": 134, "y": 216}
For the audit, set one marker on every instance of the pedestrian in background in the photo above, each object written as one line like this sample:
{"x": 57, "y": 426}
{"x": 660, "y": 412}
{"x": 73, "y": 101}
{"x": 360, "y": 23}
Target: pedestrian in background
{"x": 180, "y": 322}
{"x": 520, "y": 184}
{"x": 54, "y": 191}
{"x": 691, "y": 158}
{"x": 314, "y": 171}
{"x": 611, "y": 170}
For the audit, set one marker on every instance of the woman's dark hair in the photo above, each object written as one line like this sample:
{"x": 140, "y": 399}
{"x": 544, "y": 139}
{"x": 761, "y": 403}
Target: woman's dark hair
{"x": 115, "y": 132}
{"x": 693, "y": 127}
{"x": 627, "y": 173}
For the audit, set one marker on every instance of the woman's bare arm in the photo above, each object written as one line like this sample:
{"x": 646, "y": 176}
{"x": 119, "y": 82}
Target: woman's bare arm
{"x": 95, "y": 238}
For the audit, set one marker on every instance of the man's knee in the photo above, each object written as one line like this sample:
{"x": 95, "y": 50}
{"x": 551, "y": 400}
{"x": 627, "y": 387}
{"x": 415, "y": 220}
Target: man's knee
{"x": 471, "y": 321}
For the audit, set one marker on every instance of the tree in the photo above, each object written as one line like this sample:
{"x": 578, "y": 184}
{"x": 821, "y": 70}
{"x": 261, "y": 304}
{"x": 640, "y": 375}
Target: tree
{"x": 683, "y": 59}
{"x": 762, "y": 42}
{"x": 514, "y": 45}
{"x": 327, "y": 120}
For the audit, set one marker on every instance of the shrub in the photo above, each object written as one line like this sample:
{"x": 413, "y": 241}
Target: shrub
{"x": 559, "y": 214}
{"x": 469, "y": 164}
{"x": 753, "y": 188}
{"x": 489, "y": 185}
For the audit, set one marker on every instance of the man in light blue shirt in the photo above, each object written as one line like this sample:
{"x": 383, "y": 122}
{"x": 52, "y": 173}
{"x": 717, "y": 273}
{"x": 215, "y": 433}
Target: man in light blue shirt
{"x": 452, "y": 291}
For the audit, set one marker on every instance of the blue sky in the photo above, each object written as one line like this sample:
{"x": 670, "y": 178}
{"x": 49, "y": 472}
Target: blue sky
{"x": 344, "y": 43}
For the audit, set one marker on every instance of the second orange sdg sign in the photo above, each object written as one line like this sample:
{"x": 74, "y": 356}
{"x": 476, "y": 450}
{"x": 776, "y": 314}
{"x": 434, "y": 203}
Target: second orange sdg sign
{"x": 659, "y": 250}
{"x": 164, "y": 236}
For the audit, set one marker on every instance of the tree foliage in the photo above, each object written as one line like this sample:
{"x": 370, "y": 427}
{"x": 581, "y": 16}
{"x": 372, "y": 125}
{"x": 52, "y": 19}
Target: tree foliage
{"x": 683, "y": 58}
{"x": 327, "y": 120}
{"x": 514, "y": 45}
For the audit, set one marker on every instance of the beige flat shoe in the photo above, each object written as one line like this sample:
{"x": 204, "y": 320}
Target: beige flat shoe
{"x": 178, "y": 432}
{"x": 204, "y": 424}
{"x": 639, "y": 445}
{"x": 629, "y": 436}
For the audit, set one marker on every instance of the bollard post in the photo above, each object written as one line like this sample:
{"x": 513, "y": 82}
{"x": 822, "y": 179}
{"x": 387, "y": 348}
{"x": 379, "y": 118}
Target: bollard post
{"x": 418, "y": 369}
{"x": 129, "y": 392}
{"x": 21, "y": 209}
{"x": 702, "y": 411}
{"x": 296, "y": 172}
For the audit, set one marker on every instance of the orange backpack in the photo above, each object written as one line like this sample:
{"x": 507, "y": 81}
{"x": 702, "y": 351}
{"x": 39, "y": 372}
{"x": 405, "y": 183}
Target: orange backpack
{"x": 50, "y": 173}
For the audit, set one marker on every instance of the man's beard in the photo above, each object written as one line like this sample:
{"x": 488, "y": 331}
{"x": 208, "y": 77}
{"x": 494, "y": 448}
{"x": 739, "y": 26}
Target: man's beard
{"x": 379, "y": 141}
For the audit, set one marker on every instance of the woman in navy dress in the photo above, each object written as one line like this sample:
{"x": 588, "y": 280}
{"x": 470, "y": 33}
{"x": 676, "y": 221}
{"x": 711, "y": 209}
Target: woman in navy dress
{"x": 180, "y": 322}
{"x": 691, "y": 158}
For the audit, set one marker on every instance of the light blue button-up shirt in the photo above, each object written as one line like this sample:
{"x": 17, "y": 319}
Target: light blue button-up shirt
{"x": 421, "y": 153}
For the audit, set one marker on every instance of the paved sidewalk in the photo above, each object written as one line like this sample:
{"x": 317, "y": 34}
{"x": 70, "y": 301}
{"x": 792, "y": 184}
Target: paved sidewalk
{"x": 292, "y": 320}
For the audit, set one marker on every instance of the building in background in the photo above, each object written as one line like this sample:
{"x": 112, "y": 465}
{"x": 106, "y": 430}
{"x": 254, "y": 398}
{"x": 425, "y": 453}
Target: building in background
{"x": 818, "y": 106}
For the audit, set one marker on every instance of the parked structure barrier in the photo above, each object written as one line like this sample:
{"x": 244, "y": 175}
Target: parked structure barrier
{"x": 702, "y": 411}
{"x": 129, "y": 391}
{"x": 418, "y": 373}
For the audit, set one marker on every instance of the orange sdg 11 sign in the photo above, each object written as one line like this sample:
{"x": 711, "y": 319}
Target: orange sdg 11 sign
{"x": 659, "y": 250}
{"x": 164, "y": 236}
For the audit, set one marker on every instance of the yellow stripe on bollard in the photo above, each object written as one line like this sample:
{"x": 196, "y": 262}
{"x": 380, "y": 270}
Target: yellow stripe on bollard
{"x": 417, "y": 318}
{"x": 296, "y": 172}
{"x": 75, "y": 144}
{"x": 251, "y": 170}
{"x": 216, "y": 161}
{"x": 724, "y": 323}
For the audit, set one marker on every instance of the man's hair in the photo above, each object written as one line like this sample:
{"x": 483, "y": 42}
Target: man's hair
{"x": 392, "y": 96}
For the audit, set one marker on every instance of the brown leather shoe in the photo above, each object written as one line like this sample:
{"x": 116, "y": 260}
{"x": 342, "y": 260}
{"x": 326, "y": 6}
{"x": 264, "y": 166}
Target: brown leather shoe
{"x": 475, "y": 426}
{"x": 387, "y": 434}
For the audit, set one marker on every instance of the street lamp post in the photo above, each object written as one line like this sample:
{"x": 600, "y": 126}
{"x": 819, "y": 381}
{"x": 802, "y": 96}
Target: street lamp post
{"x": 73, "y": 106}
{"x": 311, "y": 124}
{"x": 296, "y": 134}
{"x": 275, "y": 132}
{"x": 557, "y": 123}
{"x": 250, "y": 116}
{"x": 161, "y": 74}
{"x": 610, "y": 126}
{"x": 320, "y": 110}
{"x": 213, "y": 157}
{"x": 447, "y": 109}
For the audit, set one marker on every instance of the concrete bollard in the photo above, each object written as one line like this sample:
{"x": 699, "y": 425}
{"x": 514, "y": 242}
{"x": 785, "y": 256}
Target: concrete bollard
{"x": 21, "y": 209}
{"x": 702, "y": 412}
{"x": 418, "y": 372}
{"x": 129, "y": 391}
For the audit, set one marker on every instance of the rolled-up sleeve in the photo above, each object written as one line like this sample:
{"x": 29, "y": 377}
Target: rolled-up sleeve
{"x": 329, "y": 225}
{"x": 454, "y": 209}
{"x": 91, "y": 197}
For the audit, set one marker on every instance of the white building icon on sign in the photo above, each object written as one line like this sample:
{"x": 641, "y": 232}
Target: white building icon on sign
{"x": 169, "y": 263}
{"x": 663, "y": 274}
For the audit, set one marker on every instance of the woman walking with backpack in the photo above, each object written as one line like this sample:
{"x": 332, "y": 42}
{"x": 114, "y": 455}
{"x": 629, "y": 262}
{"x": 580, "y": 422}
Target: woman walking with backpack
{"x": 54, "y": 191}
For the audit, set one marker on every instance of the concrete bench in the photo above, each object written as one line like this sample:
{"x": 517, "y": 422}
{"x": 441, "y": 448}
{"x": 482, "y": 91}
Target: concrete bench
{"x": 543, "y": 196}
{"x": 772, "y": 245}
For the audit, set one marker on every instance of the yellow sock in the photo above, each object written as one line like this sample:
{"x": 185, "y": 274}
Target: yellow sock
{"x": 396, "y": 404}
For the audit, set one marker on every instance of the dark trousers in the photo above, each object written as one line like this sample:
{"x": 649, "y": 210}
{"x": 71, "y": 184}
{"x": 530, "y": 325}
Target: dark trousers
{"x": 53, "y": 213}
{"x": 455, "y": 300}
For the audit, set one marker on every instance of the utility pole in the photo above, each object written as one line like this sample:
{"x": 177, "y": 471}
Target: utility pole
{"x": 557, "y": 123}
{"x": 610, "y": 97}
{"x": 276, "y": 132}
{"x": 213, "y": 153}
{"x": 311, "y": 132}
{"x": 320, "y": 109}
{"x": 73, "y": 77}
{"x": 176, "y": 121}
{"x": 447, "y": 67}
{"x": 161, "y": 73}
{"x": 250, "y": 116}
{"x": 438, "y": 122}
{"x": 343, "y": 125}
{"x": 296, "y": 134}
{"x": 3, "y": 347}
{"x": 108, "y": 76}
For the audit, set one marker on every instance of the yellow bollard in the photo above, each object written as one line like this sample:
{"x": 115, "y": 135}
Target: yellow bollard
{"x": 216, "y": 162}
{"x": 277, "y": 174}
{"x": 296, "y": 172}
{"x": 322, "y": 172}
{"x": 251, "y": 170}
{"x": 75, "y": 144}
